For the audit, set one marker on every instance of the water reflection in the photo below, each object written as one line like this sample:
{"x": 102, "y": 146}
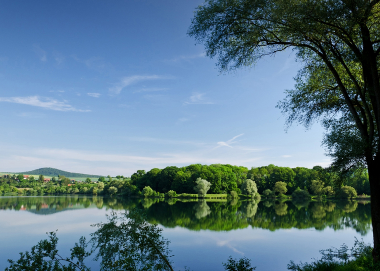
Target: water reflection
{"x": 215, "y": 216}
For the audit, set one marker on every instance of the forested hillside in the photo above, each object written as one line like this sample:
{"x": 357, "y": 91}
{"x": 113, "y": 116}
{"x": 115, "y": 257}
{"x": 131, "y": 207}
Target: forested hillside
{"x": 48, "y": 171}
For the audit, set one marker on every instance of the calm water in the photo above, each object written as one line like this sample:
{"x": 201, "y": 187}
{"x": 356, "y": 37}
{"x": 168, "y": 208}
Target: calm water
{"x": 202, "y": 234}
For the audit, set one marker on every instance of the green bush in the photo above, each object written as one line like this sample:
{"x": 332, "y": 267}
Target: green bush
{"x": 359, "y": 258}
{"x": 347, "y": 192}
{"x": 300, "y": 194}
{"x": 171, "y": 194}
{"x": 234, "y": 195}
{"x": 268, "y": 193}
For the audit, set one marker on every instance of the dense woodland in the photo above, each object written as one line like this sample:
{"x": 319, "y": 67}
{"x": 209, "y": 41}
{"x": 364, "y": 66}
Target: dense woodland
{"x": 226, "y": 178}
{"x": 222, "y": 178}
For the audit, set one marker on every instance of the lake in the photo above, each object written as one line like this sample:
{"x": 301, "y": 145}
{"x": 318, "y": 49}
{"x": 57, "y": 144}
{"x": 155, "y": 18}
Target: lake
{"x": 202, "y": 234}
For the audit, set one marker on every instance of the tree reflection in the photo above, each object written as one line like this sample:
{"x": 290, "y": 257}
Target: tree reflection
{"x": 215, "y": 216}
{"x": 202, "y": 209}
{"x": 281, "y": 208}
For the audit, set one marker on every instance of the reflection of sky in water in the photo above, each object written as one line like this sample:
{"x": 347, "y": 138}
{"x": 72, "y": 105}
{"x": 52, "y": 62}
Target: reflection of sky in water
{"x": 199, "y": 250}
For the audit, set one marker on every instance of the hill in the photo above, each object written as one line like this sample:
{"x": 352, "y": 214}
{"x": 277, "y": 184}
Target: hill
{"x": 48, "y": 171}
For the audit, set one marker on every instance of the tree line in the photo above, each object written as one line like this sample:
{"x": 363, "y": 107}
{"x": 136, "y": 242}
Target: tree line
{"x": 220, "y": 179}
{"x": 227, "y": 178}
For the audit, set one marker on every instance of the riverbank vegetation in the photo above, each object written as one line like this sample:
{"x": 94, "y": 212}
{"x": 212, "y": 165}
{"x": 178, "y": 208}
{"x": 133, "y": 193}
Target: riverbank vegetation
{"x": 207, "y": 181}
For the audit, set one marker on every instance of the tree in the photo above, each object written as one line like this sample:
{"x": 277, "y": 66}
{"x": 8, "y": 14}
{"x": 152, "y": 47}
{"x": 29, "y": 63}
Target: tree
{"x": 100, "y": 185}
{"x": 20, "y": 177}
{"x": 249, "y": 187}
{"x": 317, "y": 187}
{"x": 267, "y": 192}
{"x": 112, "y": 190}
{"x": 347, "y": 192}
{"x": 171, "y": 194}
{"x": 339, "y": 43}
{"x": 328, "y": 191}
{"x": 41, "y": 178}
{"x": 280, "y": 187}
{"x": 88, "y": 180}
{"x": 202, "y": 187}
{"x": 147, "y": 191}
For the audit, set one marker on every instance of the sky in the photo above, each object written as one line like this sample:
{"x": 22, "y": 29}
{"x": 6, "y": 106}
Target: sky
{"x": 110, "y": 87}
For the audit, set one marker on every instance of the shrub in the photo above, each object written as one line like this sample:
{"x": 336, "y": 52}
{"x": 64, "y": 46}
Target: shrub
{"x": 234, "y": 194}
{"x": 202, "y": 187}
{"x": 147, "y": 191}
{"x": 112, "y": 190}
{"x": 171, "y": 194}
{"x": 328, "y": 191}
{"x": 300, "y": 194}
{"x": 249, "y": 188}
{"x": 347, "y": 192}
{"x": 280, "y": 187}
{"x": 267, "y": 193}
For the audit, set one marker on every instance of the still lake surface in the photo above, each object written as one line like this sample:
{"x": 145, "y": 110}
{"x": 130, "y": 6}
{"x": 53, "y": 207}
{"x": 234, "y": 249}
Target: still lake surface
{"x": 202, "y": 234}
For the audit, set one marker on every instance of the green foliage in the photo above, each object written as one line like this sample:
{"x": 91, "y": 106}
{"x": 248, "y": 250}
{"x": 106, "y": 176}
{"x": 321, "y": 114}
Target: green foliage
{"x": 328, "y": 191}
{"x": 112, "y": 190}
{"x": 249, "y": 187}
{"x": 202, "y": 187}
{"x": 129, "y": 242}
{"x": 44, "y": 257}
{"x": 267, "y": 193}
{"x": 347, "y": 192}
{"x": 358, "y": 258}
{"x": 171, "y": 194}
{"x": 243, "y": 264}
{"x": 147, "y": 191}
{"x": 280, "y": 187}
{"x": 300, "y": 194}
{"x": 234, "y": 195}
{"x": 317, "y": 187}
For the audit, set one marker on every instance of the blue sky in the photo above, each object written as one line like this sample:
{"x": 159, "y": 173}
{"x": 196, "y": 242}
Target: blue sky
{"x": 109, "y": 87}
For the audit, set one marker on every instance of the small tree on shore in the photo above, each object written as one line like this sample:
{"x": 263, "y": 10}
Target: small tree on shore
{"x": 147, "y": 191}
{"x": 202, "y": 187}
{"x": 112, "y": 190}
{"x": 280, "y": 187}
{"x": 249, "y": 188}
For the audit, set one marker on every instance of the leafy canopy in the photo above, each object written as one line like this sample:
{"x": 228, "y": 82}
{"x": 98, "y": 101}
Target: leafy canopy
{"x": 338, "y": 42}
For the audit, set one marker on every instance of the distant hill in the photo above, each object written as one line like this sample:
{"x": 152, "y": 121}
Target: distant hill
{"x": 48, "y": 171}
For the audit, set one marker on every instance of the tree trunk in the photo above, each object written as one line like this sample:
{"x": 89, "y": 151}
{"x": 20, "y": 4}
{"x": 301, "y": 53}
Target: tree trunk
{"x": 374, "y": 180}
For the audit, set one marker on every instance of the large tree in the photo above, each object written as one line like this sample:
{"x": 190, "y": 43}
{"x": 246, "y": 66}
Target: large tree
{"x": 339, "y": 43}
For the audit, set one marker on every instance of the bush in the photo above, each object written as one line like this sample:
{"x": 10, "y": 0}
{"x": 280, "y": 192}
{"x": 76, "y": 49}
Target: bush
{"x": 202, "y": 187}
{"x": 234, "y": 194}
{"x": 171, "y": 194}
{"x": 147, "y": 191}
{"x": 347, "y": 192}
{"x": 300, "y": 194}
{"x": 267, "y": 193}
{"x": 249, "y": 188}
{"x": 280, "y": 187}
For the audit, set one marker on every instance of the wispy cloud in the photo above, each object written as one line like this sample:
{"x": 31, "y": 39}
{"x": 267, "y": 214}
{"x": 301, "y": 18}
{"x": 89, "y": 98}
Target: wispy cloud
{"x": 95, "y": 95}
{"x": 47, "y": 103}
{"x": 198, "y": 98}
{"x": 58, "y": 57}
{"x": 94, "y": 63}
{"x": 186, "y": 57}
{"x": 286, "y": 156}
{"x": 149, "y": 90}
{"x": 127, "y": 81}
{"x": 228, "y": 142}
{"x": 30, "y": 115}
{"x": 40, "y": 53}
